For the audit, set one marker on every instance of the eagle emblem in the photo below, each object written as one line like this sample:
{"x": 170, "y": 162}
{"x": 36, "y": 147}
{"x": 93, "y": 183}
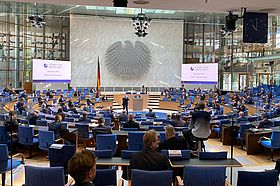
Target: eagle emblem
{"x": 126, "y": 60}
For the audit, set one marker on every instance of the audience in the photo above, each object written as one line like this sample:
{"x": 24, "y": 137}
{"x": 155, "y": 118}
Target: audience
{"x": 82, "y": 168}
{"x": 60, "y": 130}
{"x": 131, "y": 123}
{"x": 21, "y": 106}
{"x": 123, "y": 116}
{"x": 33, "y": 117}
{"x": 151, "y": 114}
{"x": 177, "y": 122}
{"x": 172, "y": 142}
{"x": 101, "y": 129}
{"x": 242, "y": 118}
{"x": 61, "y": 113}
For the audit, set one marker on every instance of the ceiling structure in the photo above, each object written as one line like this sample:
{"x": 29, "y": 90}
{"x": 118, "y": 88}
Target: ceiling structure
{"x": 207, "y": 6}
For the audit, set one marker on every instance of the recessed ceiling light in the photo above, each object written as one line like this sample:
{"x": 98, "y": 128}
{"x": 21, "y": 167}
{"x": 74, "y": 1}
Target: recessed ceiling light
{"x": 267, "y": 9}
{"x": 141, "y": 2}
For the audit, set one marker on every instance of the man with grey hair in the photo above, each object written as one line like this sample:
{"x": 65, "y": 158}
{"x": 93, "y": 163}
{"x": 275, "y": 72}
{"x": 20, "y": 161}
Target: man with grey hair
{"x": 131, "y": 123}
{"x": 172, "y": 142}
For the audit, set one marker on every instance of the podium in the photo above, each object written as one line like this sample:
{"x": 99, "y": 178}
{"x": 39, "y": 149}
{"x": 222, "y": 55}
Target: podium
{"x": 137, "y": 104}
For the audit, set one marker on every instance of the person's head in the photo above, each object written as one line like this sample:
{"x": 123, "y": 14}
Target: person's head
{"x": 61, "y": 96}
{"x": 100, "y": 121}
{"x": 201, "y": 106}
{"x": 58, "y": 118}
{"x": 130, "y": 117}
{"x": 241, "y": 114}
{"x": 150, "y": 110}
{"x": 108, "y": 109}
{"x": 169, "y": 131}
{"x": 150, "y": 139}
{"x": 36, "y": 112}
{"x": 123, "y": 112}
{"x": 13, "y": 114}
{"x": 85, "y": 114}
{"x": 82, "y": 166}
{"x": 59, "y": 110}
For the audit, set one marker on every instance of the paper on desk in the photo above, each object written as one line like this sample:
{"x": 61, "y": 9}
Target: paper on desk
{"x": 173, "y": 153}
{"x": 56, "y": 146}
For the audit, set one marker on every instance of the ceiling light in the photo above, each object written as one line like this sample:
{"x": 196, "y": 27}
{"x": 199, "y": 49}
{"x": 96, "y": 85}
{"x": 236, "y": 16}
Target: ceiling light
{"x": 36, "y": 20}
{"x": 141, "y": 23}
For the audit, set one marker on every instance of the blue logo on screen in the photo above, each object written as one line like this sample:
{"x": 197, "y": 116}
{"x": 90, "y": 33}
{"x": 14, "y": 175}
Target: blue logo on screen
{"x": 192, "y": 69}
{"x": 46, "y": 65}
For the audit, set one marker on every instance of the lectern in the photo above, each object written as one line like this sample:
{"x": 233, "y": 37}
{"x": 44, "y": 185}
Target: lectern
{"x": 137, "y": 104}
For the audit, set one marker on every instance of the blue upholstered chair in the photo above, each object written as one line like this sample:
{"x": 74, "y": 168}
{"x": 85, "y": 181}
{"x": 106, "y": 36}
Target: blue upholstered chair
{"x": 46, "y": 139}
{"x": 5, "y": 162}
{"x": 241, "y": 133}
{"x": 47, "y": 176}
{"x": 102, "y": 153}
{"x": 218, "y": 130}
{"x": 4, "y": 137}
{"x": 210, "y": 176}
{"x": 83, "y": 133}
{"x": 276, "y": 123}
{"x": 135, "y": 143}
{"x": 266, "y": 178}
{"x": 212, "y": 155}
{"x": 273, "y": 142}
{"x": 60, "y": 157}
{"x": 146, "y": 123}
{"x": 129, "y": 129}
{"x": 69, "y": 119}
{"x": 24, "y": 121}
{"x": 108, "y": 122}
{"x": 106, "y": 142}
{"x": 26, "y": 137}
{"x": 151, "y": 178}
{"x": 156, "y": 127}
{"x": 185, "y": 155}
{"x": 42, "y": 122}
{"x": 105, "y": 177}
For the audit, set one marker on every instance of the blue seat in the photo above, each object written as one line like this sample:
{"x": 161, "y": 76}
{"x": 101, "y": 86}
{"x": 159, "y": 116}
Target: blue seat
{"x": 42, "y": 122}
{"x": 242, "y": 132}
{"x": 146, "y": 123}
{"x": 5, "y": 162}
{"x": 24, "y": 121}
{"x": 105, "y": 177}
{"x": 26, "y": 137}
{"x": 47, "y": 176}
{"x": 276, "y": 123}
{"x": 135, "y": 143}
{"x": 156, "y": 128}
{"x": 151, "y": 178}
{"x": 60, "y": 157}
{"x": 212, "y": 155}
{"x": 266, "y": 178}
{"x": 4, "y": 137}
{"x": 106, "y": 142}
{"x": 102, "y": 153}
{"x": 46, "y": 139}
{"x": 218, "y": 130}
{"x": 185, "y": 155}
{"x": 273, "y": 142}
{"x": 108, "y": 122}
{"x": 69, "y": 119}
{"x": 83, "y": 133}
{"x": 129, "y": 129}
{"x": 200, "y": 176}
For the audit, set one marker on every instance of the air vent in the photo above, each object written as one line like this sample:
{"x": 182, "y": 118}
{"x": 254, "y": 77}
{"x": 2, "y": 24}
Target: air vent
{"x": 141, "y": 2}
{"x": 267, "y": 10}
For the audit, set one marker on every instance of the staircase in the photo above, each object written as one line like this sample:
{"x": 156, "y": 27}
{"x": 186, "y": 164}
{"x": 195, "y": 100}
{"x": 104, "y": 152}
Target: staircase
{"x": 154, "y": 101}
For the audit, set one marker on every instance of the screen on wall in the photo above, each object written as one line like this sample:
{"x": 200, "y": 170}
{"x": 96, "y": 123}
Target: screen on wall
{"x": 51, "y": 71}
{"x": 199, "y": 73}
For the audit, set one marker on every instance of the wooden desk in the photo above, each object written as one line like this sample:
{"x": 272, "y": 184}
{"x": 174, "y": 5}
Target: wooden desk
{"x": 252, "y": 145}
{"x": 169, "y": 105}
{"x": 196, "y": 162}
{"x": 115, "y": 161}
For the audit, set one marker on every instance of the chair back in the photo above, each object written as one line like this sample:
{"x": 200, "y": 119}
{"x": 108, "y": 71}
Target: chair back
{"x": 24, "y": 121}
{"x": 276, "y": 123}
{"x": 106, "y": 142}
{"x": 83, "y": 130}
{"x": 103, "y": 153}
{"x": 185, "y": 154}
{"x": 135, "y": 141}
{"x": 156, "y": 128}
{"x": 129, "y": 129}
{"x": 105, "y": 177}
{"x": 210, "y": 176}
{"x": 266, "y": 178}
{"x": 25, "y": 135}
{"x": 108, "y": 122}
{"x": 243, "y": 128}
{"x": 46, "y": 139}
{"x": 69, "y": 119}
{"x": 212, "y": 155}
{"x": 3, "y": 135}
{"x": 3, "y": 117}
{"x": 146, "y": 123}
{"x": 46, "y": 176}
{"x": 275, "y": 138}
{"x": 42, "y": 122}
{"x": 151, "y": 178}
{"x": 60, "y": 157}
{"x": 3, "y": 153}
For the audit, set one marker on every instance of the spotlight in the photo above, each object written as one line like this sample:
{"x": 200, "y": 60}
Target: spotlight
{"x": 120, "y": 3}
{"x": 141, "y": 23}
{"x": 230, "y": 24}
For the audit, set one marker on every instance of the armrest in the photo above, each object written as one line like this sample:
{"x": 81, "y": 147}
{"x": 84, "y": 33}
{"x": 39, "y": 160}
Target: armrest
{"x": 215, "y": 126}
{"x": 179, "y": 181}
{"x": 22, "y": 157}
{"x": 59, "y": 141}
{"x": 263, "y": 138}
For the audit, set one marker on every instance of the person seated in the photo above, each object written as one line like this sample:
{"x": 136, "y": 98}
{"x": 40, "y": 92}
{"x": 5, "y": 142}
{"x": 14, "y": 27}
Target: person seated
{"x": 24, "y": 95}
{"x": 242, "y": 118}
{"x": 108, "y": 114}
{"x": 261, "y": 93}
{"x": 11, "y": 123}
{"x": 61, "y": 113}
{"x": 21, "y": 105}
{"x": 242, "y": 108}
{"x": 123, "y": 116}
{"x": 73, "y": 109}
{"x": 172, "y": 142}
{"x": 101, "y": 128}
{"x": 82, "y": 168}
{"x": 57, "y": 127}
{"x": 131, "y": 123}
{"x": 199, "y": 126}
{"x": 33, "y": 117}
{"x": 249, "y": 100}
{"x": 184, "y": 96}
{"x": 89, "y": 102}
{"x": 265, "y": 123}
{"x": 177, "y": 122}
{"x": 13, "y": 94}
{"x": 64, "y": 107}
{"x": 202, "y": 97}
{"x": 276, "y": 110}
{"x": 210, "y": 103}
{"x": 70, "y": 102}
{"x": 61, "y": 100}
{"x": 217, "y": 109}
{"x": 84, "y": 118}
{"x": 151, "y": 114}
{"x": 76, "y": 93}
{"x": 266, "y": 107}
{"x": 149, "y": 159}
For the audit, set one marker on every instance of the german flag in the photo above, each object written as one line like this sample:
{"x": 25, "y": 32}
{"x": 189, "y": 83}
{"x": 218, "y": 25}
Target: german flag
{"x": 98, "y": 77}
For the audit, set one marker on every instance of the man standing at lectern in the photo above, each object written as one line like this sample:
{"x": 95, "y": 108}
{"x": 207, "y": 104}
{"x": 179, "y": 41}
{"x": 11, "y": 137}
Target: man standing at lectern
{"x": 125, "y": 101}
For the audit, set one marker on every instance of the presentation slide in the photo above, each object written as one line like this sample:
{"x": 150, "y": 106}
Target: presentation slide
{"x": 200, "y": 73}
{"x": 51, "y": 71}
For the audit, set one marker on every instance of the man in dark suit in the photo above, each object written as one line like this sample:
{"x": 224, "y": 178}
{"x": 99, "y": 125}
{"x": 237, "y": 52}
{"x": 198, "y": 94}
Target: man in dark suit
{"x": 131, "y": 123}
{"x": 149, "y": 159}
{"x": 33, "y": 117}
{"x": 101, "y": 129}
{"x": 85, "y": 118}
{"x": 125, "y": 101}
{"x": 177, "y": 122}
{"x": 265, "y": 123}
{"x": 82, "y": 167}
{"x": 123, "y": 116}
{"x": 172, "y": 142}
{"x": 151, "y": 114}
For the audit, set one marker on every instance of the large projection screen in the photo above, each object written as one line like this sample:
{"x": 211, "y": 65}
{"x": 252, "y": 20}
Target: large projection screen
{"x": 46, "y": 71}
{"x": 200, "y": 73}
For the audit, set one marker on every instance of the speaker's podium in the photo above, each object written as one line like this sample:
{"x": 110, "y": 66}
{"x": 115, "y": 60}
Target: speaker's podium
{"x": 137, "y": 104}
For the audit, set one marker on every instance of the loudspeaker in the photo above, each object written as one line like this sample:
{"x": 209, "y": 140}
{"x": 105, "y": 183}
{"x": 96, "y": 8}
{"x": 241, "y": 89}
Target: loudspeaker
{"x": 120, "y": 3}
{"x": 231, "y": 22}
